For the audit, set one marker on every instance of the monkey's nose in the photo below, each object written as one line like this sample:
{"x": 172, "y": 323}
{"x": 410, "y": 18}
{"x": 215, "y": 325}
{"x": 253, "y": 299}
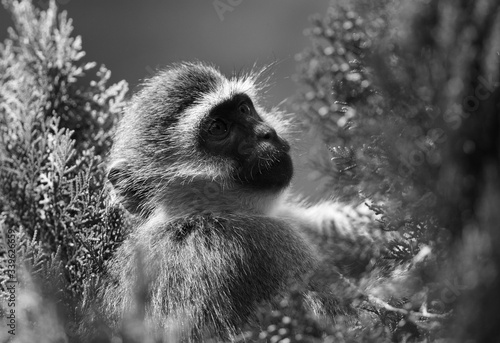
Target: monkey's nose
{"x": 267, "y": 133}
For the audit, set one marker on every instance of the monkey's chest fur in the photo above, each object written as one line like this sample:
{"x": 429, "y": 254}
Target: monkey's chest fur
{"x": 205, "y": 273}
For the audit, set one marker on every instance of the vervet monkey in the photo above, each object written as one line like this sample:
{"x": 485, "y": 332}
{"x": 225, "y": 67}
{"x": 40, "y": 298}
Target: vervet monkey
{"x": 206, "y": 169}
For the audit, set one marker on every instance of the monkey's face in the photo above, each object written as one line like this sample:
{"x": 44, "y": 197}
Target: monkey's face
{"x": 235, "y": 130}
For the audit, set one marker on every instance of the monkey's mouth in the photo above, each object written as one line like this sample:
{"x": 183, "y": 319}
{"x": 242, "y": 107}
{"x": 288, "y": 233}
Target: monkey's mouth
{"x": 267, "y": 171}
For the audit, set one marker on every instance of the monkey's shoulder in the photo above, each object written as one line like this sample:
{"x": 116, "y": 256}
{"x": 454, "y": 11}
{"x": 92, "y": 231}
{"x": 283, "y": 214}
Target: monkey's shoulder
{"x": 208, "y": 223}
{"x": 203, "y": 224}
{"x": 226, "y": 229}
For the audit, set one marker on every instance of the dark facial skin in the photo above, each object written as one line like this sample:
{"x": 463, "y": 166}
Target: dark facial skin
{"x": 234, "y": 129}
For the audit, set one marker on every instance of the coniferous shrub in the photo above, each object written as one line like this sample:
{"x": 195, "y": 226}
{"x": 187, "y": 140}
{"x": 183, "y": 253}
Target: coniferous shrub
{"x": 56, "y": 125}
{"x": 405, "y": 94}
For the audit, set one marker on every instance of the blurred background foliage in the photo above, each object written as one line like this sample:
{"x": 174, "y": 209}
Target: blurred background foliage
{"x": 405, "y": 96}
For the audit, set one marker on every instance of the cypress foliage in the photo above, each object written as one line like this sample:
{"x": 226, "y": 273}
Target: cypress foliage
{"x": 405, "y": 94}
{"x": 55, "y": 129}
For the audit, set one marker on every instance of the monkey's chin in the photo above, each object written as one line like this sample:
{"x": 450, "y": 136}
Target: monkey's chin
{"x": 273, "y": 177}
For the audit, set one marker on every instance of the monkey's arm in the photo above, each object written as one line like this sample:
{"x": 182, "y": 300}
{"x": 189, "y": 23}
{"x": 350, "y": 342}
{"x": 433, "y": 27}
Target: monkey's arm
{"x": 350, "y": 245}
{"x": 345, "y": 236}
{"x": 329, "y": 218}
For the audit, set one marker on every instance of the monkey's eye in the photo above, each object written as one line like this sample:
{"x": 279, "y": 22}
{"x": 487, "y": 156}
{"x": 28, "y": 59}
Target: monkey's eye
{"x": 244, "y": 109}
{"x": 218, "y": 128}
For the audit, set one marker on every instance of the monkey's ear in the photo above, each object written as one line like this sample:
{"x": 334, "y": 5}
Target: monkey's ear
{"x": 125, "y": 189}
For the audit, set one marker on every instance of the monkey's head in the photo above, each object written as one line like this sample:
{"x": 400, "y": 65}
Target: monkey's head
{"x": 192, "y": 137}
